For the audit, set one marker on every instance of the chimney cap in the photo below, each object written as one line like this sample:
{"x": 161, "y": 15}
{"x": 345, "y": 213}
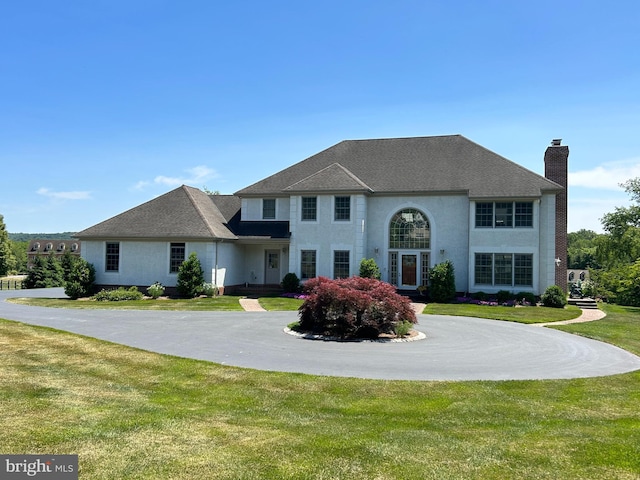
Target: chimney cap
{"x": 556, "y": 142}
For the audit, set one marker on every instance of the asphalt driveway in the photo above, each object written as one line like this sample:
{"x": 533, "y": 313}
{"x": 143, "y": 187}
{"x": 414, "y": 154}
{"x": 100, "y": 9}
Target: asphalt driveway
{"x": 456, "y": 348}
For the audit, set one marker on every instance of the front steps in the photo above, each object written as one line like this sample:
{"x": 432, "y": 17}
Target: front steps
{"x": 584, "y": 303}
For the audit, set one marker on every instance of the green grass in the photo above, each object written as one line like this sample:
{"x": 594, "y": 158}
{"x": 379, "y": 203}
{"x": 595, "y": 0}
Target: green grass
{"x": 511, "y": 314}
{"x": 280, "y": 303}
{"x": 131, "y": 414}
{"x": 223, "y": 302}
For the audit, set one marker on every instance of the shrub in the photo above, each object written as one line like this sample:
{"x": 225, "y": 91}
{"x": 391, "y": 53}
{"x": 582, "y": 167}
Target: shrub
{"x": 355, "y": 307}
{"x": 369, "y": 268}
{"x": 80, "y": 279}
{"x": 481, "y": 296}
{"x": 290, "y": 283}
{"x": 190, "y": 277}
{"x": 209, "y": 289}
{"x": 156, "y": 290}
{"x": 118, "y": 295}
{"x": 503, "y": 296}
{"x": 442, "y": 283}
{"x": 526, "y": 298}
{"x": 554, "y": 297}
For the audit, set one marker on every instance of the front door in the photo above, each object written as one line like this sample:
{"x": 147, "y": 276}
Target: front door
{"x": 272, "y": 267}
{"x": 409, "y": 270}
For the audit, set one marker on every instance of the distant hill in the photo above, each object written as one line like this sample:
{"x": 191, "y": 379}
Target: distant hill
{"x": 25, "y": 237}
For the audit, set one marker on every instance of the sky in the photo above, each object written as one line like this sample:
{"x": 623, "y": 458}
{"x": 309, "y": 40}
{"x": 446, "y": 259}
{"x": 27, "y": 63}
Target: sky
{"x": 105, "y": 105}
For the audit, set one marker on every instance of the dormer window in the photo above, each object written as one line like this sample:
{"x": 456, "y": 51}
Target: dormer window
{"x": 48, "y": 247}
{"x": 61, "y": 247}
{"x": 269, "y": 209}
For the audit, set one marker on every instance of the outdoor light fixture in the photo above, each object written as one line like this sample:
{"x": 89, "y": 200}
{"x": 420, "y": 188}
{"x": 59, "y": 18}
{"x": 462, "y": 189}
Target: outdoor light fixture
{"x": 558, "y": 261}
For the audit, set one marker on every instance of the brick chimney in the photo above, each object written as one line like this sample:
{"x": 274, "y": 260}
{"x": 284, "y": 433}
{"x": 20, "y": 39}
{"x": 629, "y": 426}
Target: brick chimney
{"x": 556, "y": 168}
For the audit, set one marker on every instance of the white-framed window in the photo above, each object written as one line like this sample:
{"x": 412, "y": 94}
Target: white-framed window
{"x": 504, "y": 215}
{"x": 504, "y": 269}
{"x": 342, "y": 208}
{"x": 177, "y": 255}
{"x": 341, "y": 263}
{"x": 309, "y": 209}
{"x": 268, "y": 208}
{"x": 307, "y": 264}
{"x": 112, "y": 257}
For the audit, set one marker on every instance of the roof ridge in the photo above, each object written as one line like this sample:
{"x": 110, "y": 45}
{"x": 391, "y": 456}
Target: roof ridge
{"x": 187, "y": 189}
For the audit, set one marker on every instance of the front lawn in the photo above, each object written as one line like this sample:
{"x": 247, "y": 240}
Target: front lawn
{"x": 223, "y": 302}
{"x": 131, "y": 414}
{"x": 511, "y": 314}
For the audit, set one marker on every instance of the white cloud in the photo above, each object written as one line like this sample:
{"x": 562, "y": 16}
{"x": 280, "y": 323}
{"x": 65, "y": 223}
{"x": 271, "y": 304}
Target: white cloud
{"x": 196, "y": 176}
{"x": 606, "y": 176}
{"x": 78, "y": 195}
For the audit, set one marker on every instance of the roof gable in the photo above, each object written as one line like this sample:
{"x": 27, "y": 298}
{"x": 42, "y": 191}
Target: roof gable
{"x": 185, "y": 212}
{"x": 442, "y": 164}
{"x": 332, "y": 178}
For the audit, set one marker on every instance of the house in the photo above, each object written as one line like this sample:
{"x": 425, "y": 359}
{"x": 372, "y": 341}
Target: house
{"x": 45, "y": 247}
{"x": 408, "y": 203}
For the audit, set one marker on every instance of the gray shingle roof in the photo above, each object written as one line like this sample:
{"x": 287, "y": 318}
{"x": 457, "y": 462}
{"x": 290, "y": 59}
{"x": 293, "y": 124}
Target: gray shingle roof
{"x": 425, "y": 165}
{"x": 183, "y": 213}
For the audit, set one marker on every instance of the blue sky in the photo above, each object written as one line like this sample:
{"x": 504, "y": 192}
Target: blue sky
{"x": 107, "y": 104}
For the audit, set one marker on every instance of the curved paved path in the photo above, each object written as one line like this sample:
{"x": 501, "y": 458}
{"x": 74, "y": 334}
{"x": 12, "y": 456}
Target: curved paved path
{"x": 456, "y": 348}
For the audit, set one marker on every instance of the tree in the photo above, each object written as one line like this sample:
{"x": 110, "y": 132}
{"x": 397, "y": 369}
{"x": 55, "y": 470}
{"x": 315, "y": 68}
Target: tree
{"x": 80, "y": 279}
{"x": 442, "y": 282}
{"x": 621, "y": 245}
{"x": 7, "y": 259}
{"x": 369, "y": 269}
{"x": 190, "y": 277}
{"x": 581, "y": 249}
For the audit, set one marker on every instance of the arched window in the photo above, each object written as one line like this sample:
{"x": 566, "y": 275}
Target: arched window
{"x": 409, "y": 228}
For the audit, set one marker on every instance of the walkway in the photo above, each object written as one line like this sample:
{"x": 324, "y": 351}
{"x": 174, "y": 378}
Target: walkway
{"x": 456, "y": 348}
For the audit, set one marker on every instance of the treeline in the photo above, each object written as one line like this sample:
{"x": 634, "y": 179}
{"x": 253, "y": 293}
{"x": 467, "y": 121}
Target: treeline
{"x": 26, "y": 237}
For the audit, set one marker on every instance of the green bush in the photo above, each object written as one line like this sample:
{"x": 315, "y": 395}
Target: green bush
{"x": 290, "y": 283}
{"x": 480, "y": 296}
{"x": 190, "y": 277}
{"x": 156, "y": 290}
{"x": 554, "y": 297}
{"x": 528, "y": 297}
{"x": 118, "y": 295}
{"x": 80, "y": 279}
{"x": 504, "y": 296}
{"x": 442, "y": 283}
{"x": 369, "y": 268}
{"x": 209, "y": 289}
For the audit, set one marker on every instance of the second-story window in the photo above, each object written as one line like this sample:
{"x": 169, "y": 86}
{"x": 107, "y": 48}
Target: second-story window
{"x": 309, "y": 209}
{"x": 342, "y": 209}
{"x": 269, "y": 209}
{"x": 504, "y": 214}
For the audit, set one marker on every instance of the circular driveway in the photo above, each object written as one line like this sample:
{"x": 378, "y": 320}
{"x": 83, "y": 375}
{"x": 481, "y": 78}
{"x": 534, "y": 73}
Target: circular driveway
{"x": 456, "y": 348}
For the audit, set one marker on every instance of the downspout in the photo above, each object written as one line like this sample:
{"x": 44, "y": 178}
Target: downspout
{"x": 215, "y": 270}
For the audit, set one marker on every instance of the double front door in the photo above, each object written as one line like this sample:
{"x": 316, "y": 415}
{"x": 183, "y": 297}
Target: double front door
{"x": 409, "y": 269}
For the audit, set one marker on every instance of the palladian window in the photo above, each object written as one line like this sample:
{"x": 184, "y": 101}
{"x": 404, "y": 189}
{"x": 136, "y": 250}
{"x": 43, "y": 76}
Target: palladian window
{"x": 409, "y": 228}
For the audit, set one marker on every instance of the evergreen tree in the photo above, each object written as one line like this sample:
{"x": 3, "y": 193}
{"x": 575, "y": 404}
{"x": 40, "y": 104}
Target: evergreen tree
{"x": 37, "y": 275}
{"x": 442, "y": 283}
{"x": 55, "y": 273}
{"x": 80, "y": 280}
{"x": 190, "y": 277}
{"x": 7, "y": 259}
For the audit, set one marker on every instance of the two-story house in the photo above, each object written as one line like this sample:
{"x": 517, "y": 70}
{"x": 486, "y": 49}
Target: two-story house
{"x": 408, "y": 203}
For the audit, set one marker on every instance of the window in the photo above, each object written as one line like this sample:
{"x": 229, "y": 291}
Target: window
{"x": 309, "y": 208}
{"x": 176, "y": 257}
{"x": 307, "y": 264}
{"x": 409, "y": 228}
{"x": 341, "y": 264}
{"x": 342, "y": 209}
{"x": 504, "y": 269}
{"x": 424, "y": 262}
{"x": 504, "y": 214}
{"x": 112, "y": 260}
{"x": 524, "y": 214}
{"x": 269, "y": 209}
{"x": 523, "y": 270}
{"x": 484, "y": 269}
{"x": 393, "y": 268}
{"x": 484, "y": 214}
